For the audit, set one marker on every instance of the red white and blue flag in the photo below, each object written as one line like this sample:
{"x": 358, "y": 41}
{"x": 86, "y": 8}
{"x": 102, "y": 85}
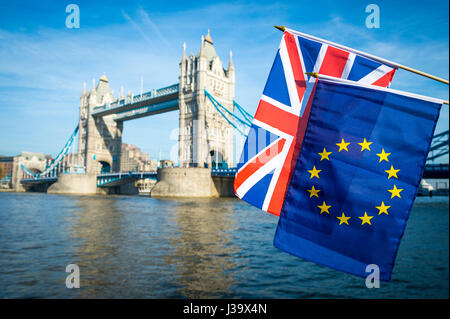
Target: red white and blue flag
{"x": 275, "y": 138}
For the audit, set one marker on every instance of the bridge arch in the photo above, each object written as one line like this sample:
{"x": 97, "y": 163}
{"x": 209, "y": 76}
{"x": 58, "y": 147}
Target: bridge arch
{"x": 103, "y": 164}
{"x": 105, "y": 167}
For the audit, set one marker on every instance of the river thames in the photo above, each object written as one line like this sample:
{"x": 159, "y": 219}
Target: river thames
{"x": 139, "y": 247}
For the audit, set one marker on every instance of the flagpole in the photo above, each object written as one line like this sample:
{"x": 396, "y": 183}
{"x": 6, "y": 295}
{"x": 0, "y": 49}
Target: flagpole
{"x": 384, "y": 61}
{"x": 318, "y": 76}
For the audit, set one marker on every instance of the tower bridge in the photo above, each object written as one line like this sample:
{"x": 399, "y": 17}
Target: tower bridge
{"x": 205, "y": 137}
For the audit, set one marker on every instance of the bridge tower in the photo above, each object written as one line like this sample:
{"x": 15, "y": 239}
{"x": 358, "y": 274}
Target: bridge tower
{"x": 205, "y": 137}
{"x": 100, "y": 138}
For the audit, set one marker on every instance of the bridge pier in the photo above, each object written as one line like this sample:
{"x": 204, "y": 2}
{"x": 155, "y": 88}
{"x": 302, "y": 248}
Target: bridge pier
{"x": 74, "y": 184}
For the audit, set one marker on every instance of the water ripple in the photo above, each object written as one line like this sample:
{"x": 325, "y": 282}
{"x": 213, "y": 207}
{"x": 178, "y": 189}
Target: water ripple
{"x": 134, "y": 247}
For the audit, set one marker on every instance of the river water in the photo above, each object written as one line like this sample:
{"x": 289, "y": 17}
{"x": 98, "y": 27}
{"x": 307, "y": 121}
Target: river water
{"x": 136, "y": 247}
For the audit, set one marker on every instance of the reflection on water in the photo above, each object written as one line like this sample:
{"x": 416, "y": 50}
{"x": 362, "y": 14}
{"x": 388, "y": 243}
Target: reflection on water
{"x": 96, "y": 227}
{"x": 134, "y": 247}
{"x": 192, "y": 241}
{"x": 122, "y": 246}
{"x": 203, "y": 248}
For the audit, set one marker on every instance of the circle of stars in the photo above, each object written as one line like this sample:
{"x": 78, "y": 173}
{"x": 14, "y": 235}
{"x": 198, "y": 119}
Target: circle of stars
{"x": 365, "y": 218}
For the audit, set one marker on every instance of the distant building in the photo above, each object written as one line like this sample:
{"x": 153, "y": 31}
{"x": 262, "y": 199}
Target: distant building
{"x": 166, "y": 163}
{"x": 6, "y": 165}
{"x": 133, "y": 159}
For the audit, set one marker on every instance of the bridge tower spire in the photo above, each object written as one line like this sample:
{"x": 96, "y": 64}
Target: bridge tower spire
{"x": 205, "y": 138}
{"x": 100, "y": 139}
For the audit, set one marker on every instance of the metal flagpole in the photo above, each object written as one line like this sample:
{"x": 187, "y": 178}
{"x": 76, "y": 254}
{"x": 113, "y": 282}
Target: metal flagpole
{"x": 370, "y": 56}
{"x": 318, "y": 75}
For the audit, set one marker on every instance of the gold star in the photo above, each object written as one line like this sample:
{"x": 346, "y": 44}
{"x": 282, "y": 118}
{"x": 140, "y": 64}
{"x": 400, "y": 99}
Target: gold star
{"x": 395, "y": 192}
{"x": 383, "y": 156}
{"x": 324, "y": 154}
{"x": 324, "y": 208}
{"x": 392, "y": 172}
{"x": 342, "y": 145}
{"x": 313, "y": 192}
{"x": 382, "y": 209}
{"x": 365, "y": 145}
{"x": 343, "y": 219}
{"x": 366, "y": 219}
{"x": 314, "y": 172}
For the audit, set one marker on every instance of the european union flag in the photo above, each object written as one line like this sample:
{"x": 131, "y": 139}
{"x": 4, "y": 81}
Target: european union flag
{"x": 357, "y": 176}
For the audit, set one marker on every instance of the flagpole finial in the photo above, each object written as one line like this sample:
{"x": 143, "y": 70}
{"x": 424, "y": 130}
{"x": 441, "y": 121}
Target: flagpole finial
{"x": 280, "y": 27}
{"x": 313, "y": 74}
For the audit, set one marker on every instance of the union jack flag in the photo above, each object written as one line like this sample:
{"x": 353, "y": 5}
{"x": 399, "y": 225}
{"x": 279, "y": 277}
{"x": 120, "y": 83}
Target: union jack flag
{"x": 274, "y": 140}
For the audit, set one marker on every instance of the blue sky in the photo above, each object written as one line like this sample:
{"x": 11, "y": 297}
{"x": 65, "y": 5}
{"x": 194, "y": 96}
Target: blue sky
{"x": 43, "y": 64}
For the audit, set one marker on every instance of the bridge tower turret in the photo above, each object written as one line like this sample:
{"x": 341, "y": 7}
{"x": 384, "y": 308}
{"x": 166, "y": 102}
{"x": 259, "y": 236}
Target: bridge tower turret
{"x": 205, "y": 137}
{"x": 100, "y": 138}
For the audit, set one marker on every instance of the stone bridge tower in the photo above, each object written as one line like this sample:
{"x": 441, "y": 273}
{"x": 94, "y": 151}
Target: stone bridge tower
{"x": 205, "y": 137}
{"x": 100, "y": 138}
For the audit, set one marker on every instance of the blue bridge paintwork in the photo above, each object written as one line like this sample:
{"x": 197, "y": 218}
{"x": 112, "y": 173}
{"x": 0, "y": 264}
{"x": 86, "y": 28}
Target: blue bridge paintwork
{"x": 39, "y": 180}
{"x": 114, "y": 179}
{"x": 223, "y": 172}
{"x": 436, "y": 171}
{"x": 153, "y": 102}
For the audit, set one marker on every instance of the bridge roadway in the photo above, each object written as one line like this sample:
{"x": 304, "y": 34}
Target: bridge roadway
{"x": 436, "y": 171}
{"x": 115, "y": 179}
{"x": 149, "y": 103}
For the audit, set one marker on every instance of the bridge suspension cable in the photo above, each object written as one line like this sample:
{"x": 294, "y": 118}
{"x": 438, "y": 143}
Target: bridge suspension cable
{"x": 244, "y": 113}
{"x": 6, "y": 178}
{"x": 246, "y": 123}
{"x": 58, "y": 159}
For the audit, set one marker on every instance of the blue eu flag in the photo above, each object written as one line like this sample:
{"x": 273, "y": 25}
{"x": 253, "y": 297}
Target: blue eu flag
{"x": 357, "y": 176}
